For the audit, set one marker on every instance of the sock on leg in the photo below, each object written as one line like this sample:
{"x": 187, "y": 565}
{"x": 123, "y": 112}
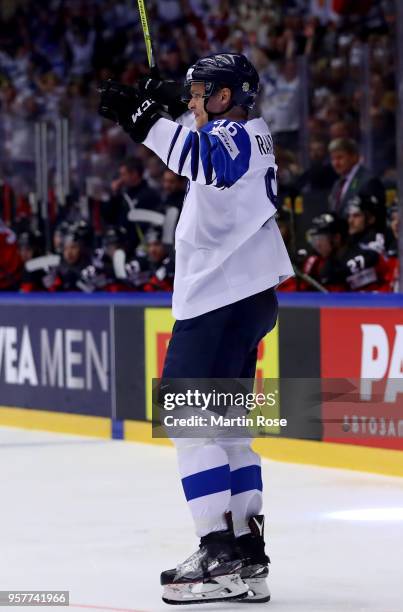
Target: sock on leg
{"x": 206, "y": 481}
{"x": 246, "y": 483}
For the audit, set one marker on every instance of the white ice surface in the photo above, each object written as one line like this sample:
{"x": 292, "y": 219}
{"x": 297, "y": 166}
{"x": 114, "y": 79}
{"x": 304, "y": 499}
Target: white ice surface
{"x": 103, "y": 518}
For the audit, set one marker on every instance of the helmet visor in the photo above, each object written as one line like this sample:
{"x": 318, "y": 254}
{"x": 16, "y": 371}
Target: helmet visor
{"x": 188, "y": 94}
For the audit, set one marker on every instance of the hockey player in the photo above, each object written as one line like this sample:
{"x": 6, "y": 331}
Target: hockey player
{"x": 154, "y": 269}
{"x": 341, "y": 262}
{"x": 76, "y": 257}
{"x": 103, "y": 272}
{"x": 229, "y": 258}
{"x": 366, "y": 217}
{"x": 328, "y": 238}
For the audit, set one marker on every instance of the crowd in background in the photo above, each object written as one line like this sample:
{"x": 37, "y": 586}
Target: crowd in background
{"x": 328, "y": 93}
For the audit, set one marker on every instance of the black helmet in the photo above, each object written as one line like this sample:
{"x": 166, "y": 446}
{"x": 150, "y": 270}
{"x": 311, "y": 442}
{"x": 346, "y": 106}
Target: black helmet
{"x": 114, "y": 235}
{"x": 62, "y": 227}
{"x": 31, "y": 240}
{"x": 82, "y": 232}
{"x": 369, "y": 204}
{"x": 364, "y": 203}
{"x": 329, "y": 224}
{"x": 232, "y": 70}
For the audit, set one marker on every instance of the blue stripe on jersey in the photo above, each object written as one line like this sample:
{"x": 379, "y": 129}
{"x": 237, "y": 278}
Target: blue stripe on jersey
{"x": 194, "y": 160}
{"x": 185, "y": 151}
{"x": 207, "y": 482}
{"x": 246, "y": 479}
{"x": 205, "y": 154}
{"x": 174, "y": 139}
{"x": 230, "y": 151}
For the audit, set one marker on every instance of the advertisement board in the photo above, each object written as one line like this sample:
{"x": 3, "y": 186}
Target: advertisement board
{"x": 300, "y": 382}
{"x": 362, "y": 376}
{"x": 129, "y": 366}
{"x": 158, "y": 324}
{"x": 56, "y": 357}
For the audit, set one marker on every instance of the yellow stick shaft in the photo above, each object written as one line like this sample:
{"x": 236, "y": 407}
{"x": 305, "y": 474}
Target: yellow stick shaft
{"x": 146, "y": 32}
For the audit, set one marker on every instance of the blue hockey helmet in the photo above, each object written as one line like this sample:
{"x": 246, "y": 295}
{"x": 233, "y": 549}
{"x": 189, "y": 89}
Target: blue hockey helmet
{"x": 232, "y": 70}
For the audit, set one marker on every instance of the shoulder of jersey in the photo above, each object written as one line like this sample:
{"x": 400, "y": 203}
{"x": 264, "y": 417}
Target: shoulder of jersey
{"x": 217, "y": 125}
{"x": 231, "y": 134}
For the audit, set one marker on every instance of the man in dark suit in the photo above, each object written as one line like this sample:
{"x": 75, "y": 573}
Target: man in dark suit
{"x": 353, "y": 176}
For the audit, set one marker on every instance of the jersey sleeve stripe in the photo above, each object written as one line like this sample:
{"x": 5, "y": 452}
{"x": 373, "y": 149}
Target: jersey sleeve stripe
{"x": 194, "y": 160}
{"x": 185, "y": 152}
{"x": 174, "y": 139}
{"x": 205, "y": 153}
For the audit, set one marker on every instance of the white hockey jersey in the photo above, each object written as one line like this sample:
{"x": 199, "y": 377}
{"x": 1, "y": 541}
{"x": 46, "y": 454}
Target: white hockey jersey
{"x": 227, "y": 242}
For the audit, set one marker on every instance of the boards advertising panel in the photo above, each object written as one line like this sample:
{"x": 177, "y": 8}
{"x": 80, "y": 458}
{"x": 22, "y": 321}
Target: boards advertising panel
{"x": 56, "y": 358}
{"x": 158, "y": 323}
{"x": 362, "y": 376}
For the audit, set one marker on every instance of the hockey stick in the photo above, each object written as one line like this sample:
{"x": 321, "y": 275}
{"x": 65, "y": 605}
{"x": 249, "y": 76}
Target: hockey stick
{"x": 311, "y": 281}
{"x": 155, "y": 73}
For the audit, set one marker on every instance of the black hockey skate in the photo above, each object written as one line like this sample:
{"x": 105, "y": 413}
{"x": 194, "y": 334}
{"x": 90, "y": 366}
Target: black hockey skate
{"x": 211, "y": 574}
{"x": 255, "y": 561}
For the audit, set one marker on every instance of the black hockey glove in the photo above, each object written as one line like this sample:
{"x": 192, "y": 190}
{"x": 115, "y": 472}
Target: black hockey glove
{"x": 125, "y": 105}
{"x": 167, "y": 93}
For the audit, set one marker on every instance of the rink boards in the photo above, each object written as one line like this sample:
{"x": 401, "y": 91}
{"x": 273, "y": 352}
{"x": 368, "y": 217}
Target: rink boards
{"x": 84, "y": 364}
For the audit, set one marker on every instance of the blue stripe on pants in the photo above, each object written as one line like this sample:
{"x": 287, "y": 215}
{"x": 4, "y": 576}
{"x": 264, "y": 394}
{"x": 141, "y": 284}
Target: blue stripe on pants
{"x": 246, "y": 478}
{"x": 204, "y": 483}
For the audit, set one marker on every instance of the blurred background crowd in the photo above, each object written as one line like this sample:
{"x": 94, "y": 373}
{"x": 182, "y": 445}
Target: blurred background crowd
{"x": 328, "y": 93}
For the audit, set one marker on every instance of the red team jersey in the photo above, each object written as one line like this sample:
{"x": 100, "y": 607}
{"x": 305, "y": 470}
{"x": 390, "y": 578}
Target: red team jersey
{"x": 10, "y": 260}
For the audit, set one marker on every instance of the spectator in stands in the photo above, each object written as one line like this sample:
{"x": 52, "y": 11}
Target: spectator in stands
{"x": 133, "y": 205}
{"x": 80, "y": 45}
{"x": 280, "y": 106}
{"x": 320, "y": 175}
{"x": 383, "y": 135}
{"x": 171, "y": 62}
{"x": 20, "y": 109}
{"x": 353, "y": 176}
{"x": 341, "y": 129}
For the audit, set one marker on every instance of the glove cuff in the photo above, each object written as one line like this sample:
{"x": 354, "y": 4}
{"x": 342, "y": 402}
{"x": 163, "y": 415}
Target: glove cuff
{"x": 138, "y": 131}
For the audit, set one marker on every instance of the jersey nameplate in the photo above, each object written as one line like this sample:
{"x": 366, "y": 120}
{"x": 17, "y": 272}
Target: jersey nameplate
{"x": 265, "y": 144}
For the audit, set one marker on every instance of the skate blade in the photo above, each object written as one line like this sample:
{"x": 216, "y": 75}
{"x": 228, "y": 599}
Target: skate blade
{"x": 258, "y": 591}
{"x": 223, "y": 588}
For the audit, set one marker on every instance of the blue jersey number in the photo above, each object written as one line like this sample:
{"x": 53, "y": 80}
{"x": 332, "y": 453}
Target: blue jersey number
{"x": 271, "y": 185}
